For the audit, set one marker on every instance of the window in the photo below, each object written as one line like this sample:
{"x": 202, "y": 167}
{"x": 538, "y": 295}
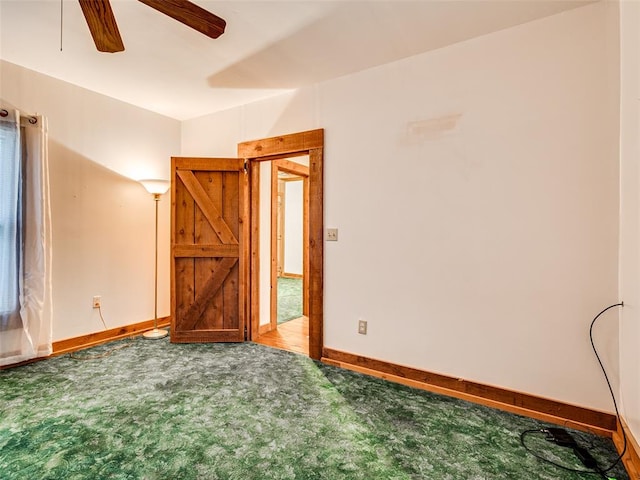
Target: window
{"x": 26, "y": 310}
{"x": 10, "y": 224}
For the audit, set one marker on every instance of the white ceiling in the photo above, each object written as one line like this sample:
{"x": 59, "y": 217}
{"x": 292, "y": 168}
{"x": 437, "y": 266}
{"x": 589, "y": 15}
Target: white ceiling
{"x": 268, "y": 47}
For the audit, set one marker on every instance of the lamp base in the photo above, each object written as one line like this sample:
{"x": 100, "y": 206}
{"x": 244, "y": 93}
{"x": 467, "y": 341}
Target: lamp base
{"x": 155, "y": 334}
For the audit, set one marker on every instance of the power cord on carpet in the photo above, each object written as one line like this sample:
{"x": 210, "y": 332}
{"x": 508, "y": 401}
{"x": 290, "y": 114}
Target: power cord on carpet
{"x": 585, "y": 457}
{"x": 563, "y": 438}
{"x": 102, "y": 355}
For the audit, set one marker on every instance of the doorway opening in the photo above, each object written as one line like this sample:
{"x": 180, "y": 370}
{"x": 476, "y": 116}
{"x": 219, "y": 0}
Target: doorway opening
{"x": 287, "y": 159}
{"x": 284, "y": 231}
{"x": 288, "y": 233}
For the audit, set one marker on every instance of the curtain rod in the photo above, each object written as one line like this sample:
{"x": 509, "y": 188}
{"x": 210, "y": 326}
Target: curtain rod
{"x": 32, "y": 119}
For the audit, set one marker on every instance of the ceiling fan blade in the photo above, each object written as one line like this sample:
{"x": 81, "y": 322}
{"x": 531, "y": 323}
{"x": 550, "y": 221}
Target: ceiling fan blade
{"x": 102, "y": 25}
{"x": 191, "y": 15}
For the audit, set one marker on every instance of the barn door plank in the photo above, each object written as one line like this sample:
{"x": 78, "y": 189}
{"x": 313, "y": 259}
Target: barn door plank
{"x": 203, "y": 200}
{"x": 208, "y": 292}
{"x": 209, "y": 250}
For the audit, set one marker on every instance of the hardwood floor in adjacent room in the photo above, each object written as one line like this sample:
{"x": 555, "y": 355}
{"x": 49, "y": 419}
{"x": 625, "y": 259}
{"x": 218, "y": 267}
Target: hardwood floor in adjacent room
{"x": 292, "y": 336}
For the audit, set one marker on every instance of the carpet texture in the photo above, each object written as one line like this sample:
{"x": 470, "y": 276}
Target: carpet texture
{"x": 289, "y": 299}
{"x": 157, "y": 410}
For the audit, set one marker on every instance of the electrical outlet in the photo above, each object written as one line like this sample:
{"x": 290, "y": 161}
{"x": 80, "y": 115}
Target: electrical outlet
{"x": 97, "y": 300}
{"x": 362, "y": 327}
{"x": 332, "y": 234}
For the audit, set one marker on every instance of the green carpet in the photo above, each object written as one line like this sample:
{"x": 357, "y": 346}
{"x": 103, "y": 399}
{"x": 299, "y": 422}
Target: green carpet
{"x": 289, "y": 299}
{"x": 167, "y": 411}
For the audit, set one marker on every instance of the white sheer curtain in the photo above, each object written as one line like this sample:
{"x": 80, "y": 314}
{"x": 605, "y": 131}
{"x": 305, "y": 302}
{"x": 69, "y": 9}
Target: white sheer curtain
{"x": 25, "y": 240}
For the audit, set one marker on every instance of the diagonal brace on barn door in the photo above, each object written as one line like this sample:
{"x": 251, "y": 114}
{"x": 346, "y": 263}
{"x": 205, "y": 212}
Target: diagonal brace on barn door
{"x": 206, "y": 294}
{"x": 211, "y": 213}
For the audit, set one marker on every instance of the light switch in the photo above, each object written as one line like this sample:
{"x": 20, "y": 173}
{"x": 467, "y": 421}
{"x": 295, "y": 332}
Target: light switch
{"x": 332, "y": 234}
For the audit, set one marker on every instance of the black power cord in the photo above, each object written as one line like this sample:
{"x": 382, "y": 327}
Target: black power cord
{"x": 606, "y": 377}
{"x": 562, "y": 438}
{"x": 583, "y": 454}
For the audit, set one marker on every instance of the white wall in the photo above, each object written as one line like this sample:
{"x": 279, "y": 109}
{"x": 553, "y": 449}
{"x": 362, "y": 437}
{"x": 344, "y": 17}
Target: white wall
{"x": 483, "y": 252}
{"x": 265, "y": 243}
{"x": 630, "y": 213}
{"x": 102, "y": 219}
{"x": 293, "y": 227}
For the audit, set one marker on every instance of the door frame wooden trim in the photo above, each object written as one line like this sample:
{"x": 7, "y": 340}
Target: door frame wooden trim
{"x": 298, "y": 144}
{"x": 273, "y": 315}
{"x": 293, "y": 145}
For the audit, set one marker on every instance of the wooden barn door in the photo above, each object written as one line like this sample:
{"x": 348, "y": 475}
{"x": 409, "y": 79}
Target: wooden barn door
{"x": 209, "y": 248}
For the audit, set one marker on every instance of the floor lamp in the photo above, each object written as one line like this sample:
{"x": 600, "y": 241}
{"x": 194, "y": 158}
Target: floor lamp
{"x": 157, "y": 188}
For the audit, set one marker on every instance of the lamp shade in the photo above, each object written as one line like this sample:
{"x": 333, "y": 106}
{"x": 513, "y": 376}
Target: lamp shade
{"x": 156, "y": 186}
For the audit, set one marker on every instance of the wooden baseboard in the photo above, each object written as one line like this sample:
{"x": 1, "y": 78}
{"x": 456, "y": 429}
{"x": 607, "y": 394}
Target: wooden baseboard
{"x": 291, "y": 275}
{"x": 92, "y": 339}
{"x": 264, "y": 328}
{"x": 631, "y": 458}
{"x": 515, "y": 402}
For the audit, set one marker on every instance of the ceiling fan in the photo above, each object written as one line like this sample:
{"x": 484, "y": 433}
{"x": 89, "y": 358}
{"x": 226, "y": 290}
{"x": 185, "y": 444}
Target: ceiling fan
{"x": 104, "y": 29}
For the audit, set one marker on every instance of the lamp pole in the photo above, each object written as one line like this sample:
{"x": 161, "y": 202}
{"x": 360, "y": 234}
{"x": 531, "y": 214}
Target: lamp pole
{"x": 153, "y": 186}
